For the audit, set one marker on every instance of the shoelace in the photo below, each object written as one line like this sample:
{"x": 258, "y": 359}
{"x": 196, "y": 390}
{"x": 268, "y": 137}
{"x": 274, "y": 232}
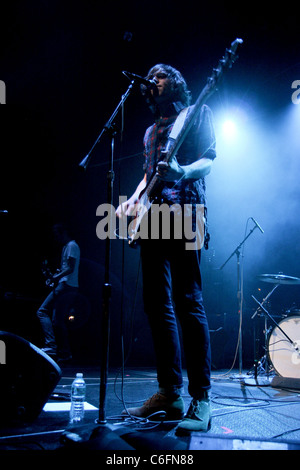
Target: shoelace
{"x": 194, "y": 409}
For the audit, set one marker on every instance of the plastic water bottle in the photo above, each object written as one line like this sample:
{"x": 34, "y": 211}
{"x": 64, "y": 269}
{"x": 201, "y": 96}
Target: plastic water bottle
{"x": 77, "y": 399}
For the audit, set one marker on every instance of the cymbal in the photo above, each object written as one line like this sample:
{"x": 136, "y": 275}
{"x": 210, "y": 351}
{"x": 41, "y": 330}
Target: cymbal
{"x": 279, "y": 279}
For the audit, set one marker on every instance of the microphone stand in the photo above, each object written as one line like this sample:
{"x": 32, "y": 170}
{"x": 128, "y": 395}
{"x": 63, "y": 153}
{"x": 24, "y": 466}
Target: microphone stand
{"x": 237, "y": 252}
{"x": 110, "y": 129}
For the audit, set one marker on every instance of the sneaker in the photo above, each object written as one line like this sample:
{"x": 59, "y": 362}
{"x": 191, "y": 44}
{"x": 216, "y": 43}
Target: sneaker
{"x": 198, "y": 417}
{"x": 174, "y": 408}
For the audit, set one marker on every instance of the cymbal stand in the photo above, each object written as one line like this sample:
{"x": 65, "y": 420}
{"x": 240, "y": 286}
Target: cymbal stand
{"x": 264, "y": 361}
{"x": 264, "y": 301}
{"x": 276, "y": 324}
{"x": 261, "y": 364}
{"x": 260, "y": 381}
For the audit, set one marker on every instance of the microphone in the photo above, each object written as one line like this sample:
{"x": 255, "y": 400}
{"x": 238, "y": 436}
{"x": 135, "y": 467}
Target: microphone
{"x": 257, "y": 225}
{"x": 141, "y": 80}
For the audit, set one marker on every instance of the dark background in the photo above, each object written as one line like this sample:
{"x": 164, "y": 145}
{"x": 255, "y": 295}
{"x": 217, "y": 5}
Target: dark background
{"x": 62, "y": 64}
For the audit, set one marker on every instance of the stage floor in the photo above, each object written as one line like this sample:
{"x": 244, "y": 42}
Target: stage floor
{"x": 246, "y": 415}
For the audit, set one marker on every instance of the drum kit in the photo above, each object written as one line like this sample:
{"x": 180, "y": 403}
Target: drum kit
{"x": 282, "y": 345}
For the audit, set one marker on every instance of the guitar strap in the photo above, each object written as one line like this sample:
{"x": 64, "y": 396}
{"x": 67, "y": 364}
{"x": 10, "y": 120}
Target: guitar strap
{"x": 173, "y": 136}
{"x": 178, "y": 124}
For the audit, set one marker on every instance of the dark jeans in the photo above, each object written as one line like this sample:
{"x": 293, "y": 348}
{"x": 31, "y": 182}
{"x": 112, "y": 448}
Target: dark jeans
{"x": 172, "y": 282}
{"x": 52, "y": 316}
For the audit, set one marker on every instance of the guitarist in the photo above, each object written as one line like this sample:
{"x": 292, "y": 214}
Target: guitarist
{"x": 171, "y": 273}
{"x": 52, "y": 319}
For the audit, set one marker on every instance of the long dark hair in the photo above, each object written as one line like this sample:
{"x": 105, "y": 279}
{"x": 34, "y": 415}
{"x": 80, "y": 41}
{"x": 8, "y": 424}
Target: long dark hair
{"x": 180, "y": 89}
{"x": 178, "y": 83}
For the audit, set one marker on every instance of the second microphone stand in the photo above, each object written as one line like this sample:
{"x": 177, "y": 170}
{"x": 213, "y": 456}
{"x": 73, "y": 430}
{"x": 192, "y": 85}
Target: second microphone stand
{"x": 237, "y": 252}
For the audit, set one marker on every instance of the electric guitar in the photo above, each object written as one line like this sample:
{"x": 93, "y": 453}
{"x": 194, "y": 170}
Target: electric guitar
{"x": 50, "y": 282}
{"x": 146, "y": 196}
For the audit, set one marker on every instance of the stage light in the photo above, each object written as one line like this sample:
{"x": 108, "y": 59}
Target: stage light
{"x": 232, "y": 122}
{"x": 229, "y": 129}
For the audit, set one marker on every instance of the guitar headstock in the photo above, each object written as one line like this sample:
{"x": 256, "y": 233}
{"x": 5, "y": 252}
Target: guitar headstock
{"x": 226, "y": 62}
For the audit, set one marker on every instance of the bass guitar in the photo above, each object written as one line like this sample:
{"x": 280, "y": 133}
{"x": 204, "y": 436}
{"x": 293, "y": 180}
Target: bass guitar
{"x": 147, "y": 197}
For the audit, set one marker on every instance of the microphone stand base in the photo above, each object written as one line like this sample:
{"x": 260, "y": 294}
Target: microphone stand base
{"x": 239, "y": 376}
{"x": 259, "y": 382}
{"x": 100, "y": 422}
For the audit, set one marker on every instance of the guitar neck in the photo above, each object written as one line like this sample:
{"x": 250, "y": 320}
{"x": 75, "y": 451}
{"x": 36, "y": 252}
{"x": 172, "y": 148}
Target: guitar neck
{"x": 194, "y": 111}
{"x": 173, "y": 145}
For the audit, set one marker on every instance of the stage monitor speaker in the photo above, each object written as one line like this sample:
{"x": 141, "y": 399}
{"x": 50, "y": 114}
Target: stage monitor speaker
{"x": 27, "y": 378}
{"x": 199, "y": 442}
{"x": 286, "y": 383}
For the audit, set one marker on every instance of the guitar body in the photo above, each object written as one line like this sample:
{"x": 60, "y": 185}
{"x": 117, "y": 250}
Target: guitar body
{"x": 135, "y": 228}
{"x": 48, "y": 275}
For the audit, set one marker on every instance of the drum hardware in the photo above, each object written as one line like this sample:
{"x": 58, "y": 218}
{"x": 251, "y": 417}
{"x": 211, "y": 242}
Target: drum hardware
{"x": 294, "y": 350}
{"x": 284, "y": 347}
{"x": 265, "y": 362}
{"x": 279, "y": 279}
{"x": 261, "y": 364}
{"x": 293, "y": 310}
{"x": 264, "y": 301}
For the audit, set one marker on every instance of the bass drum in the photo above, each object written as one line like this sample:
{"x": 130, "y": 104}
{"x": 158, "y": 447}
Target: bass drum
{"x": 284, "y": 355}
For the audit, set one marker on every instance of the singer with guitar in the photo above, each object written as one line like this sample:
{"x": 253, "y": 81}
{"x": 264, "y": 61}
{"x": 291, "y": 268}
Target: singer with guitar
{"x": 171, "y": 274}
